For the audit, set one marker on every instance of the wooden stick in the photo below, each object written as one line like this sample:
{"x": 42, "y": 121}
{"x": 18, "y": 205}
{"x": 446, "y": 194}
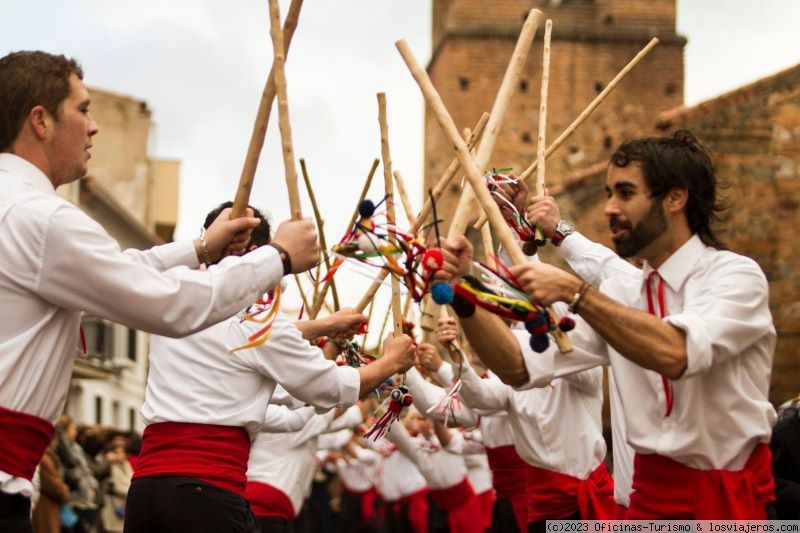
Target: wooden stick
{"x": 397, "y": 313}
{"x": 317, "y": 304}
{"x": 488, "y": 245}
{"x": 262, "y": 119}
{"x": 300, "y": 289}
{"x": 548, "y": 30}
{"x": 401, "y": 190}
{"x": 593, "y": 105}
{"x": 473, "y": 172}
{"x": 449, "y": 174}
{"x": 567, "y": 133}
{"x": 320, "y": 224}
{"x": 283, "y": 108}
{"x": 427, "y": 209}
{"x": 486, "y": 146}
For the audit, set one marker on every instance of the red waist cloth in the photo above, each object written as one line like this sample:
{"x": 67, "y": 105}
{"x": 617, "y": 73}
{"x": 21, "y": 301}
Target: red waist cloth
{"x": 23, "y": 441}
{"x": 487, "y": 505}
{"x": 664, "y": 488}
{"x": 554, "y": 495}
{"x": 266, "y": 500}
{"x": 510, "y": 480}
{"x": 462, "y": 506}
{"x": 368, "y": 499}
{"x": 215, "y": 454}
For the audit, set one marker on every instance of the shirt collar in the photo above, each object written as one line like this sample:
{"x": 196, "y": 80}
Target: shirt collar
{"x": 25, "y": 172}
{"x": 679, "y": 265}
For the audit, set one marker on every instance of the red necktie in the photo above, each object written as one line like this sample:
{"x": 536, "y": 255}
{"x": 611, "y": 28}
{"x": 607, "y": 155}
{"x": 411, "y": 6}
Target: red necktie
{"x": 662, "y": 313}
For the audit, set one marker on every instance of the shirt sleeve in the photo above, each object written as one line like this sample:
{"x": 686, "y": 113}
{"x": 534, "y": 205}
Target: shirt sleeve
{"x": 166, "y": 256}
{"x": 427, "y": 396}
{"x": 281, "y": 419}
{"x": 84, "y": 270}
{"x": 589, "y": 350}
{"x": 444, "y": 376}
{"x": 298, "y": 366}
{"x": 459, "y": 445}
{"x": 350, "y": 419}
{"x": 592, "y": 261}
{"x": 728, "y": 311}
{"x": 484, "y": 396}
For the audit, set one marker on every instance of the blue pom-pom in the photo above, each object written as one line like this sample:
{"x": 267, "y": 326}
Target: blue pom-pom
{"x": 534, "y": 322}
{"x": 366, "y": 208}
{"x": 539, "y": 343}
{"x": 442, "y": 293}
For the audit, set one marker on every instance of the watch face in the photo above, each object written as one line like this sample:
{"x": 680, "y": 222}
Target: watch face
{"x": 565, "y": 227}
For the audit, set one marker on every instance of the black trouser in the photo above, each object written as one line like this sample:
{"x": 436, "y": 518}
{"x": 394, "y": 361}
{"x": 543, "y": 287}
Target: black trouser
{"x": 503, "y": 518}
{"x": 15, "y": 513}
{"x": 184, "y": 504}
{"x": 274, "y": 524}
{"x": 541, "y": 525}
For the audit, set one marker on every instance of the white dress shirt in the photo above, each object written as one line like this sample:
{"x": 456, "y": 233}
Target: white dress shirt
{"x": 396, "y": 476}
{"x": 721, "y": 409}
{"x": 594, "y": 263}
{"x": 427, "y": 397}
{"x": 56, "y": 262}
{"x": 282, "y": 419}
{"x": 557, "y": 427}
{"x": 358, "y": 474}
{"x": 440, "y": 468}
{"x": 286, "y": 461}
{"x": 196, "y": 379}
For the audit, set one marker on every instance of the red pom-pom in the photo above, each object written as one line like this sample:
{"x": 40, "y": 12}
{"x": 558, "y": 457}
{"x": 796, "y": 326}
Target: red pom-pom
{"x": 540, "y": 329}
{"x": 566, "y": 324}
{"x": 407, "y": 399}
{"x": 433, "y": 260}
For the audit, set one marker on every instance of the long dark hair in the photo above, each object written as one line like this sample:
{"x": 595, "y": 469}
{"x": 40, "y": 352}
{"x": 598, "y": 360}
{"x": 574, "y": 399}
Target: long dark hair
{"x": 682, "y": 162}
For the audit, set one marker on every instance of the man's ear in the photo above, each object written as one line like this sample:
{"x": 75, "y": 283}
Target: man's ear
{"x": 676, "y": 200}
{"x": 40, "y": 121}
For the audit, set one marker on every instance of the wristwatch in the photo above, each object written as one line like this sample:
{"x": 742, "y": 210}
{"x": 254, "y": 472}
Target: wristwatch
{"x": 563, "y": 229}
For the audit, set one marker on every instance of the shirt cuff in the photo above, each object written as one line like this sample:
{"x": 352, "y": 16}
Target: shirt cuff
{"x": 445, "y": 373}
{"x": 574, "y": 246}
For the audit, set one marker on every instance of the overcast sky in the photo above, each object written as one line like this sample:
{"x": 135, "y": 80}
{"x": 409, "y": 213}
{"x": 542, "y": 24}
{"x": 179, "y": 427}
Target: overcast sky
{"x": 200, "y": 65}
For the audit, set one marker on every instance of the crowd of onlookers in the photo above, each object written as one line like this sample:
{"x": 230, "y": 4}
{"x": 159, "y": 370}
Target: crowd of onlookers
{"x": 83, "y": 479}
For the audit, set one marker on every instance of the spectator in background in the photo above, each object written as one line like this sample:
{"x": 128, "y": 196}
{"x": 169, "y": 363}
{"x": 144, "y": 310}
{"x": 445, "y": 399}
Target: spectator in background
{"x": 115, "y": 487}
{"x": 79, "y": 477}
{"x": 53, "y": 492}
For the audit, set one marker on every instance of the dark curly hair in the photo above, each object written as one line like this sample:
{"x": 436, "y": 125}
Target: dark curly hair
{"x": 682, "y": 162}
{"x": 28, "y": 79}
{"x": 261, "y": 234}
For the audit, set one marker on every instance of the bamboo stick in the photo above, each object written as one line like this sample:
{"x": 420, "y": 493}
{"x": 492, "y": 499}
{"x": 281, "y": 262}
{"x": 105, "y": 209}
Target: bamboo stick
{"x": 397, "y": 314}
{"x": 283, "y": 109}
{"x": 242, "y": 197}
{"x": 567, "y": 133}
{"x": 320, "y": 224}
{"x": 426, "y": 210}
{"x": 401, "y": 191}
{"x": 473, "y": 173}
{"x": 317, "y": 304}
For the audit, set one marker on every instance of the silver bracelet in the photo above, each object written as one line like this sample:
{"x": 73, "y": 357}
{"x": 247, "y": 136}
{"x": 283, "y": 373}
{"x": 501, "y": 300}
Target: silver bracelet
{"x": 576, "y": 299}
{"x": 204, "y": 247}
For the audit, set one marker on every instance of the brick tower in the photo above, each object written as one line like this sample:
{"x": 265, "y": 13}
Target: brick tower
{"x": 592, "y": 41}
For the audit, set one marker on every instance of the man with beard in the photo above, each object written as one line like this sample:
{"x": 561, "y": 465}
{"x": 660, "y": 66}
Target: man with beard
{"x": 690, "y": 340}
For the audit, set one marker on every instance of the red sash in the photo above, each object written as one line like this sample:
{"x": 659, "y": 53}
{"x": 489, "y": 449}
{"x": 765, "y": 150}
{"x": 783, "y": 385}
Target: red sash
{"x": 510, "y": 480}
{"x": 462, "y": 507}
{"x": 664, "y": 488}
{"x": 487, "y": 505}
{"x": 554, "y": 495}
{"x": 266, "y": 500}
{"x": 23, "y": 441}
{"x": 215, "y": 454}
